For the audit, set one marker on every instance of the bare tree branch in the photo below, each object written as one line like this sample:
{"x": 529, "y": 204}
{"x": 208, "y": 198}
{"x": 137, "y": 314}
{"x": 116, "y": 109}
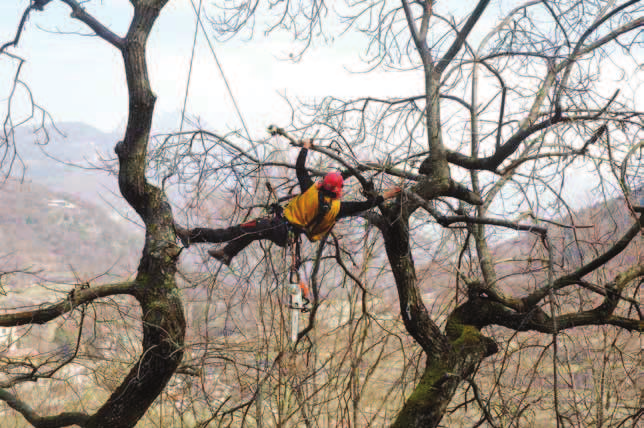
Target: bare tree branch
{"x": 21, "y": 25}
{"x": 77, "y": 297}
{"x": 591, "y": 266}
{"x": 78, "y": 12}
{"x": 461, "y": 37}
{"x": 62, "y": 420}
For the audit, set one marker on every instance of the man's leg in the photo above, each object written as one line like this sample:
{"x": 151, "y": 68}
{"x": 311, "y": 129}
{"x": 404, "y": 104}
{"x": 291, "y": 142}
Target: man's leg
{"x": 271, "y": 228}
{"x": 205, "y": 234}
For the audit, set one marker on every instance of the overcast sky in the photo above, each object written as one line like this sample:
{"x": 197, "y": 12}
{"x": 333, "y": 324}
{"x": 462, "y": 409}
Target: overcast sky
{"x": 79, "y": 78}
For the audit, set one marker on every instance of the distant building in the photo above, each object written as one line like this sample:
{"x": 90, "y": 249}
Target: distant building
{"x": 60, "y": 203}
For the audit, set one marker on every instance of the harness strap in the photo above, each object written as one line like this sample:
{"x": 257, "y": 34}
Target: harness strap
{"x": 294, "y": 242}
{"x": 323, "y": 209}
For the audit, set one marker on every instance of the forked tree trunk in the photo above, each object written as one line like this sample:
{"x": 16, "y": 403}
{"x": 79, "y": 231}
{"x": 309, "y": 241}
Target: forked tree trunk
{"x": 451, "y": 356}
{"x": 162, "y": 312}
{"x": 443, "y": 374}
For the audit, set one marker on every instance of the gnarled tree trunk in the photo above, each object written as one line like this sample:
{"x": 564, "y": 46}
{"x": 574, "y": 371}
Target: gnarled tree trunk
{"x": 157, "y": 292}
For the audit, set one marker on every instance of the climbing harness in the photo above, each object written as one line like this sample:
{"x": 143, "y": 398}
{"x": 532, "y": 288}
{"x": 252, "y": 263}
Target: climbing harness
{"x": 323, "y": 209}
{"x": 296, "y": 288}
{"x": 293, "y": 243}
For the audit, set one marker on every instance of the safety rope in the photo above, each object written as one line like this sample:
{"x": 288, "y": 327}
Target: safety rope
{"x": 294, "y": 246}
{"x": 298, "y": 286}
{"x": 219, "y": 66}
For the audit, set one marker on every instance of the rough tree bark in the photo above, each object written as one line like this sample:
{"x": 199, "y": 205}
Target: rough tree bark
{"x": 157, "y": 292}
{"x": 155, "y": 288}
{"x": 453, "y": 356}
{"x": 453, "y": 353}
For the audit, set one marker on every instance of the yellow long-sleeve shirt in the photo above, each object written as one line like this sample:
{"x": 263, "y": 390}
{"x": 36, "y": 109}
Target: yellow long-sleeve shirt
{"x": 303, "y": 210}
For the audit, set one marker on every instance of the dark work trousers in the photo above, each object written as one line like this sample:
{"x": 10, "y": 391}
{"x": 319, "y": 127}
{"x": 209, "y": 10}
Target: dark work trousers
{"x": 272, "y": 227}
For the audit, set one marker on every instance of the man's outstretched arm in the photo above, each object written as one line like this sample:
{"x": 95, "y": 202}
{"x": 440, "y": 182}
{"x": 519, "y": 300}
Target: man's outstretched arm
{"x": 351, "y": 208}
{"x": 303, "y": 176}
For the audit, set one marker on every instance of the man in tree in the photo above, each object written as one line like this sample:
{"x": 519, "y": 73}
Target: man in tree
{"x": 313, "y": 212}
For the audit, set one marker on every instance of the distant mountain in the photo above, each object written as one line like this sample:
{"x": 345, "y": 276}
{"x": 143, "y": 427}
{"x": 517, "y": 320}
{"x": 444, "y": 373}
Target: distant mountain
{"x": 79, "y": 159}
{"x": 519, "y": 260}
{"x": 61, "y": 212}
{"x": 60, "y": 235}
{"x": 60, "y": 158}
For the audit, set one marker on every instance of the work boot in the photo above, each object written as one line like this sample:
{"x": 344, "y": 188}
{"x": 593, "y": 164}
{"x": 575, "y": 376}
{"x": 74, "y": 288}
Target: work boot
{"x": 183, "y": 234}
{"x": 221, "y": 255}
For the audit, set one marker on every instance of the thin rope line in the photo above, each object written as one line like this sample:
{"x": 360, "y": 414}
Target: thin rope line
{"x": 223, "y": 75}
{"x": 192, "y": 58}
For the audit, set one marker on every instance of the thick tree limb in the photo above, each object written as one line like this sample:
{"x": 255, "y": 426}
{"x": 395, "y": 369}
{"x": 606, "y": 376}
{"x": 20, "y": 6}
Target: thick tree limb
{"x": 532, "y": 228}
{"x": 78, "y": 12}
{"x": 482, "y": 312}
{"x": 574, "y": 277}
{"x": 444, "y": 373}
{"x": 414, "y": 313}
{"x": 573, "y": 152}
{"x": 545, "y": 324}
{"x": 527, "y": 126}
{"x": 76, "y": 298}
{"x": 61, "y": 420}
{"x": 21, "y": 25}
{"x": 503, "y": 152}
{"x": 449, "y": 220}
{"x": 434, "y": 190}
{"x": 461, "y": 36}
{"x": 163, "y": 321}
{"x": 420, "y": 44}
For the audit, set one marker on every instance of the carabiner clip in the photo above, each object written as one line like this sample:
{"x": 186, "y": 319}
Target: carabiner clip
{"x": 294, "y": 276}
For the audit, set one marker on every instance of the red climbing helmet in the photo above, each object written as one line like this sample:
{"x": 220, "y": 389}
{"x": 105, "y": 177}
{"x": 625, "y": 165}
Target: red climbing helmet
{"x": 333, "y": 182}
